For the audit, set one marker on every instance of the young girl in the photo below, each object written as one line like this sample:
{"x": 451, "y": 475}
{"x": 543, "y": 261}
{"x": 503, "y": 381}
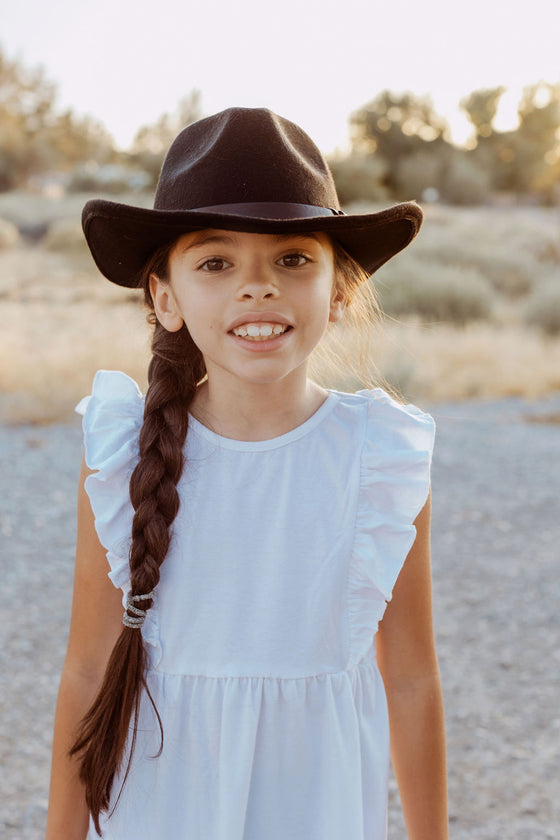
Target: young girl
{"x": 255, "y": 522}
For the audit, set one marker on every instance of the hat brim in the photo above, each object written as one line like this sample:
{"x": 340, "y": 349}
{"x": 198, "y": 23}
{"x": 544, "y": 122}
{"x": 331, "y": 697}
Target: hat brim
{"x": 122, "y": 237}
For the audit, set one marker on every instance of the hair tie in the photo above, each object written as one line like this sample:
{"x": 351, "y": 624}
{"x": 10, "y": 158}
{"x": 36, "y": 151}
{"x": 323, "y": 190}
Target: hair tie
{"x": 137, "y": 619}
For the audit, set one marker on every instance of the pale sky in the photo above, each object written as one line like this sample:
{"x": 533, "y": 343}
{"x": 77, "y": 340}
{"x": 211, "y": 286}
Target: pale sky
{"x": 312, "y": 61}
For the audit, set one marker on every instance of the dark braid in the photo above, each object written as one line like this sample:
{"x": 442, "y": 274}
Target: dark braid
{"x": 153, "y": 484}
{"x": 175, "y": 370}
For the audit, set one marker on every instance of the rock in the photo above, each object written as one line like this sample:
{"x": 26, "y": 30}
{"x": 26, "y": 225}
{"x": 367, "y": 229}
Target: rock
{"x": 34, "y": 231}
{"x": 9, "y": 235}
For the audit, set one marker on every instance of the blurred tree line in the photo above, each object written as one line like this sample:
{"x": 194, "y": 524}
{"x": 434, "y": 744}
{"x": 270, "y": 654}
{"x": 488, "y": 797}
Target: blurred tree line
{"x": 400, "y": 146}
{"x": 34, "y": 136}
{"x": 401, "y": 149}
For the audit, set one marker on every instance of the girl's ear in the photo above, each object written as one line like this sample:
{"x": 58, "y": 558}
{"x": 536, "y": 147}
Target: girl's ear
{"x": 338, "y": 304}
{"x": 165, "y": 305}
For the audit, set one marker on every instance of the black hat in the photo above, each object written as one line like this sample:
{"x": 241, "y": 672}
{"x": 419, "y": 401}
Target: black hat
{"x": 244, "y": 169}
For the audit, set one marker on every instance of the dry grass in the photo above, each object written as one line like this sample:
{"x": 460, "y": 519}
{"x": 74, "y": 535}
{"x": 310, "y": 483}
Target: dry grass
{"x": 480, "y": 361}
{"x": 50, "y": 354}
{"x": 439, "y": 362}
{"x": 61, "y": 321}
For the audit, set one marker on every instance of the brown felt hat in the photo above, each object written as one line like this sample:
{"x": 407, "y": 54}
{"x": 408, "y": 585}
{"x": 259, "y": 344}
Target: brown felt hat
{"x": 244, "y": 169}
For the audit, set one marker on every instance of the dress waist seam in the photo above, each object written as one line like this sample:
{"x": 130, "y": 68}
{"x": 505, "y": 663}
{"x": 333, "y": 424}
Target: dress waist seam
{"x": 366, "y": 660}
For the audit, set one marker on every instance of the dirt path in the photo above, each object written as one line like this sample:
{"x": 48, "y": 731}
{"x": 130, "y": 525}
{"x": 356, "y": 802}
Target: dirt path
{"x": 496, "y": 531}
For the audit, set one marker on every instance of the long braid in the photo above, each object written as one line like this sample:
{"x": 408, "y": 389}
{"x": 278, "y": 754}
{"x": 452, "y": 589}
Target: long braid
{"x": 174, "y": 372}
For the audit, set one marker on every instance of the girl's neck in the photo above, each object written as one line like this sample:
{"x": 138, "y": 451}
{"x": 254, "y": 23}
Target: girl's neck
{"x": 255, "y": 412}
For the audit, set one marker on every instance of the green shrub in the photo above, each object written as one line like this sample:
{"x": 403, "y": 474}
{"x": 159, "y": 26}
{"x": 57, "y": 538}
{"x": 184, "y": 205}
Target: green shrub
{"x": 464, "y": 181}
{"x": 543, "y": 307}
{"x": 457, "y": 179}
{"x": 435, "y": 292}
{"x": 359, "y": 178}
{"x": 417, "y": 173}
{"x": 510, "y": 270}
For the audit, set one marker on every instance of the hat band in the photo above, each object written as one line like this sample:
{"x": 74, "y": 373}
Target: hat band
{"x": 278, "y": 210}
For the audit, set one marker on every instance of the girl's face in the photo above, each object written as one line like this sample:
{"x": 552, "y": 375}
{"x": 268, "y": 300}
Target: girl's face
{"x": 256, "y": 305}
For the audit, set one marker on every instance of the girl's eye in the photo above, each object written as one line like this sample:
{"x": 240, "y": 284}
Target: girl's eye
{"x": 294, "y": 260}
{"x": 214, "y": 264}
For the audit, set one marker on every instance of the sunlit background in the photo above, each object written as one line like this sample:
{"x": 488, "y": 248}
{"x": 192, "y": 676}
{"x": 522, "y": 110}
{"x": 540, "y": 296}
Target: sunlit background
{"x": 456, "y": 106}
{"x": 313, "y": 61}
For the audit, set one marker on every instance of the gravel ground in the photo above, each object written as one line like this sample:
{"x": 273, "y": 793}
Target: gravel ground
{"x": 496, "y": 599}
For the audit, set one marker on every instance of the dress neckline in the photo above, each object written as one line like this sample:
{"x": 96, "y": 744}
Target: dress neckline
{"x": 271, "y": 443}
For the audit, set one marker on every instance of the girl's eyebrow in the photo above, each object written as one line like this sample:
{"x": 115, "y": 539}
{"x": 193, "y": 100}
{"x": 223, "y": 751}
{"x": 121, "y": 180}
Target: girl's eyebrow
{"x": 280, "y": 236}
{"x": 204, "y": 238}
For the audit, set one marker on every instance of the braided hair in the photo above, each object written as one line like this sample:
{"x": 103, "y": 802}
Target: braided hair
{"x": 175, "y": 370}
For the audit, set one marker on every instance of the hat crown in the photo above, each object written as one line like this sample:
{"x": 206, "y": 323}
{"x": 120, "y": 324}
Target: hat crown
{"x": 243, "y": 155}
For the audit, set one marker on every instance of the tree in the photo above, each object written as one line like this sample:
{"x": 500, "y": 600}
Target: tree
{"x": 34, "y": 137}
{"x": 395, "y": 127}
{"x": 156, "y": 138}
{"x": 481, "y": 107}
{"x": 395, "y": 124}
{"x": 26, "y": 103}
{"x": 536, "y": 144}
{"x": 152, "y": 141}
{"x": 527, "y": 158}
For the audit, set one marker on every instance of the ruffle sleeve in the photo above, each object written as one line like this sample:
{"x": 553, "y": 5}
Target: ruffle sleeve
{"x": 394, "y": 486}
{"x": 112, "y": 418}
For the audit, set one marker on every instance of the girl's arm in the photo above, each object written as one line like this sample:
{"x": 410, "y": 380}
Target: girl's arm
{"x": 408, "y": 663}
{"x": 95, "y": 625}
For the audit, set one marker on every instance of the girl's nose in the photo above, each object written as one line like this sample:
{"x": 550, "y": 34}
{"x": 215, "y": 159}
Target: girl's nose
{"x": 258, "y": 285}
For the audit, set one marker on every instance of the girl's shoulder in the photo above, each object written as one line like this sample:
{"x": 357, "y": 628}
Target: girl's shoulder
{"x": 112, "y": 417}
{"x": 115, "y": 390}
{"x": 387, "y": 421}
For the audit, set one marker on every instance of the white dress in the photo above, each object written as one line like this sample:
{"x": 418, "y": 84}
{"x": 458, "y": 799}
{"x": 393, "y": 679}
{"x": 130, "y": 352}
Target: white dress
{"x": 261, "y": 639}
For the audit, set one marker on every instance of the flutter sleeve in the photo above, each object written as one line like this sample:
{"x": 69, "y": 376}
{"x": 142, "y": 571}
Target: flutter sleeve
{"x": 394, "y": 486}
{"x": 112, "y": 418}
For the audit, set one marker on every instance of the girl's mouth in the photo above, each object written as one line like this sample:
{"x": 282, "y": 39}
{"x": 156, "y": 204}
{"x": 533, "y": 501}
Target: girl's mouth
{"x": 261, "y": 331}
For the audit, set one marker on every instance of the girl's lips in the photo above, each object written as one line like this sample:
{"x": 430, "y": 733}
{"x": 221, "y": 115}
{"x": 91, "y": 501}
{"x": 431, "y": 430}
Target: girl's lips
{"x": 258, "y": 318}
{"x": 261, "y": 343}
{"x": 256, "y": 330}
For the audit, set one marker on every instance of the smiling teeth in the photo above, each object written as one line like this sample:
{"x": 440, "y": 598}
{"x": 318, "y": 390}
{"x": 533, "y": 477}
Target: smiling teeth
{"x": 255, "y": 330}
